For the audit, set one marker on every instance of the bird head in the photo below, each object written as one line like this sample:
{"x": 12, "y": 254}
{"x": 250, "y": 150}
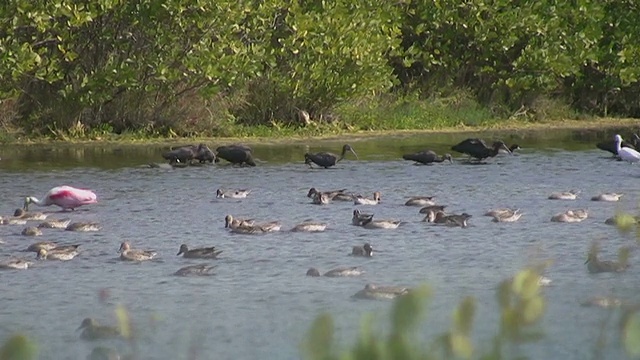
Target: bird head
{"x": 348, "y": 147}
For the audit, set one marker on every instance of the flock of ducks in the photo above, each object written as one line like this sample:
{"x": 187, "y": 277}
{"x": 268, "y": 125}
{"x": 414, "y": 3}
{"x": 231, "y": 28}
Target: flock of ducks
{"x": 70, "y": 198}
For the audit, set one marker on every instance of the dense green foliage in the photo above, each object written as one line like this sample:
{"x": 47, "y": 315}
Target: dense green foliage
{"x": 202, "y": 67}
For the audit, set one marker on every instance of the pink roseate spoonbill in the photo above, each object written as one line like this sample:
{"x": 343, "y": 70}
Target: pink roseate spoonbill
{"x": 625, "y": 153}
{"x": 66, "y": 197}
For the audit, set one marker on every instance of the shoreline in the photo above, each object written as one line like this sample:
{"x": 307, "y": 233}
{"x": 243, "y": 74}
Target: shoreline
{"x": 508, "y": 127}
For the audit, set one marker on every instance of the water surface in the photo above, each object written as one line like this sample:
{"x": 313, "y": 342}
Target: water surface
{"x": 259, "y": 303}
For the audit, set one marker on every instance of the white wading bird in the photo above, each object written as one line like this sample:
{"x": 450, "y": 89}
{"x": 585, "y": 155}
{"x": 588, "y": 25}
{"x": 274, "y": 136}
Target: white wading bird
{"x": 625, "y": 153}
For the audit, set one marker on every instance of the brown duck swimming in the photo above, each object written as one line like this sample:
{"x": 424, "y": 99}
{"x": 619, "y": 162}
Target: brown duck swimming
{"x": 91, "y": 330}
{"x": 595, "y": 265}
{"x": 339, "y": 195}
{"x": 337, "y": 272}
{"x": 375, "y": 292}
{"x": 200, "y": 253}
{"x": 195, "y": 270}
{"x": 129, "y": 254}
{"x": 365, "y": 250}
{"x": 420, "y": 201}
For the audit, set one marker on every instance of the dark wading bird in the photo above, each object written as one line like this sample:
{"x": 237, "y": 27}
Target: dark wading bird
{"x": 327, "y": 159}
{"x": 188, "y": 153}
{"x": 478, "y": 149}
{"x": 610, "y": 145}
{"x": 236, "y": 154}
{"x": 427, "y": 157}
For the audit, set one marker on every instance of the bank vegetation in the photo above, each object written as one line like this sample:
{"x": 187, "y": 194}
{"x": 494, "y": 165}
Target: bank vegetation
{"x": 226, "y": 68}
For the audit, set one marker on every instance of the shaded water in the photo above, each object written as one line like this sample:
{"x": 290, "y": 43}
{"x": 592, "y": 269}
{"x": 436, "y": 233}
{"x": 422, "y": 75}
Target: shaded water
{"x": 259, "y": 303}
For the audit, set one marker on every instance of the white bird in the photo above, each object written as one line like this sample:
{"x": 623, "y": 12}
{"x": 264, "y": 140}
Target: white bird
{"x": 625, "y": 153}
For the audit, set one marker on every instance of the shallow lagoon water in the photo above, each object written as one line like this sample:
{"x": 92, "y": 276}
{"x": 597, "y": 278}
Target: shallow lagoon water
{"x": 259, "y": 303}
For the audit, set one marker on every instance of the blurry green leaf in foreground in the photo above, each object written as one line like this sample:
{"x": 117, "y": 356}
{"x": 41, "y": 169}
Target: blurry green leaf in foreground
{"x": 408, "y": 309}
{"x": 533, "y": 310}
{"x": 463, "y": 316}
{"x": 461, "y": 346}
{"x": 525, "y": 284}
{"x": 625, "y": 222}
{"x": 18, "y": 347}
{"x": 631, "y": 334}
{"x": 124, "y": 323}
{"x": 320, "y": 337}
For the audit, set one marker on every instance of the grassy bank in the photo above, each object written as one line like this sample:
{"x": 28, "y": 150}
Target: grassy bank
{"x": 379, "y": 115}
{"x": 292, "y": 135}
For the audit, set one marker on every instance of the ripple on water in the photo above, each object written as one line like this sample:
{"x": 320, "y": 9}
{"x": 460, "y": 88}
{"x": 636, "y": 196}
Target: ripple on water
{"x": 259, "y": 303}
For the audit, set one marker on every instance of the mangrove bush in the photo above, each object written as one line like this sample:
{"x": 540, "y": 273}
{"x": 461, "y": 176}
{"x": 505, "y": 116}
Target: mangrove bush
{"x": 201, "y": 67}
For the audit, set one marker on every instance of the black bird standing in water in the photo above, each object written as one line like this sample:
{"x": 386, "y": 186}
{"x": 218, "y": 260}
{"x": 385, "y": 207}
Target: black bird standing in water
{"x": 327, "y": 159}
{"x": 236, "y": 154}
{"x": 427, "y": 157}
{"x": 476, "y": 148}
{"x": 185, "y": 154}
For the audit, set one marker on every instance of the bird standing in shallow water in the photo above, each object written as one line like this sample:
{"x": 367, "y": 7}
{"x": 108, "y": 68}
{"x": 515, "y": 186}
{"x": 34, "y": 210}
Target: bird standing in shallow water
{"x": 236, "y": 154}
{"x": 327, "y": 159}
{"x": 625, "y": 153}
{"x": 478, "y": 149}
{"x": 66, "y": 197}
{"x": 610, "y": 145}
{"x": 427, "y": 157}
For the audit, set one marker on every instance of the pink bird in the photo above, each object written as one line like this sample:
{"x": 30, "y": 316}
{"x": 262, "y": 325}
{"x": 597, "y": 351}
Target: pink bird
{"x": 66, "y": 197}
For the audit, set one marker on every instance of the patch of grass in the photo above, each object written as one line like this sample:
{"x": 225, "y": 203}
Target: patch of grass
{"x": 411, "y": 113}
